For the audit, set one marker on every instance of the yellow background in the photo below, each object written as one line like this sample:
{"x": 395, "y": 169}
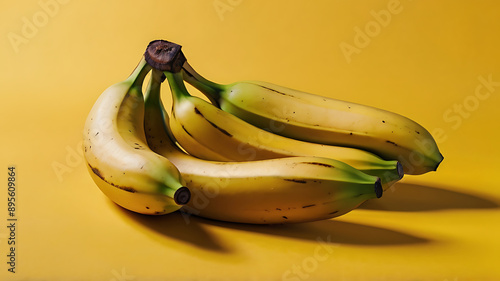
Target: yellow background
{"x": 425, "y": 63}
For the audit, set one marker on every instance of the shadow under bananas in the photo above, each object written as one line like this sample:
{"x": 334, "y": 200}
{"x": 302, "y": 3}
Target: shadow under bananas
{"x": 338, "y": 232}
{"x": 409, "y": 197}
{"x": 194, "y": 231}
{"x": 175, "y": 226}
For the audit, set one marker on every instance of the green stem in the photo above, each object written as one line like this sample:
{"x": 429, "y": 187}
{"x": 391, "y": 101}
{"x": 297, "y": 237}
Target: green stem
{"x": 177, "y": 86}
{"x": 156, "y": 114}
{"x": 211, "y": 89}
{"x": 153, "y": 90}
{"x": 139, "y": 74}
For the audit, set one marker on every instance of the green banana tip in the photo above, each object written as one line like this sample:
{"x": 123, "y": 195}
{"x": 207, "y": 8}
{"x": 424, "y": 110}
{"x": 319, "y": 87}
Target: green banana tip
{"x": 182, "y": 196}
{"x": 378, "y": 188}
{"x": 439, "y": 162}
{"x": 165, "y": 56}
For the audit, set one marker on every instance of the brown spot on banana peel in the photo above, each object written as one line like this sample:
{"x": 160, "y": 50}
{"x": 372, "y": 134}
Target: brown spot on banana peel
{"x": 97, "y": 172}
{"x": 220, "y": 129}
{"x": 197, "y": 111}
{"x": 100, "y": 175}
{"x": 125, "y": 188}
{"x": 138, "y": 146}
{"x": 319, "y": 164}
{"x": 273, "y": 90}
{"x": 391, "y": 142}
{"x": 184, "y": 128}
{"x": 308, "y": 206}
{"x": 296, "y": 180}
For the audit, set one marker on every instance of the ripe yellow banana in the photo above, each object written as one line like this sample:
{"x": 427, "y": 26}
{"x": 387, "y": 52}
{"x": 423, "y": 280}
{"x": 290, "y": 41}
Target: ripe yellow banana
{"x": 284, "y": 190}
{"x": 118, "y": 157}
{"x": 314, "y": 118}
{"x": 208, "y": 132}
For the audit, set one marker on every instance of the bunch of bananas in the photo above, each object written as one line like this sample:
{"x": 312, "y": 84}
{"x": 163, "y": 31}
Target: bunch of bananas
{"x": 256, "y": 153}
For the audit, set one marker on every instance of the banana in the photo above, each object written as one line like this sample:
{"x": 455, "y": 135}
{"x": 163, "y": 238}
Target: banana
{"x": 273, "y": 191}
{"x": 318, "y": 119}
{"x": 118, "y": 158}
{"x": 208, "y": 132}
